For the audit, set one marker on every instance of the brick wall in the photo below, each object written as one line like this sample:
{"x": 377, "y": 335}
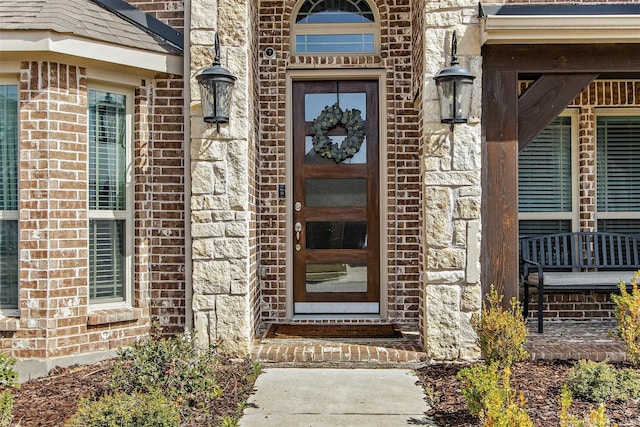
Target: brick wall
{"x": 161, "y": 185}
{"x": 165, "y": 196}
{"x": 171, "y": 12}
{"x": 588, "y": 305}
{"x": 601, "y": 93}
{"x": 53, "y": 240}
{"x": 402, "y": 166}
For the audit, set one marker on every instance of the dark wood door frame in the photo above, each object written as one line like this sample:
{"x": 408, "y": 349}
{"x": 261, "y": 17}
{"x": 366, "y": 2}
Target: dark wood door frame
{"x": 510, "y": 122}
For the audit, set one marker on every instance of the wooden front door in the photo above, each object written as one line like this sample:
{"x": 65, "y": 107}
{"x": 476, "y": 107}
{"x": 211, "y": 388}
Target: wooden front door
{"x": 336, "y": 238}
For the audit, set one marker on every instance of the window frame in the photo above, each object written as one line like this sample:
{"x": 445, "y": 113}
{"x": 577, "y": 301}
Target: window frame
{"x": 127, "y": 214}
{"x": 298, "y": 29}
{"x": 615, "y": 112}
{"x": 574, "y": 214}
{"x": 14, "y": 215}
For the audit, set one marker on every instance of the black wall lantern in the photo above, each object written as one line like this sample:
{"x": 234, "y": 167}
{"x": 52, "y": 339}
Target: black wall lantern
{"x": 216, "y": 84}
{"x": 455, "y": 85}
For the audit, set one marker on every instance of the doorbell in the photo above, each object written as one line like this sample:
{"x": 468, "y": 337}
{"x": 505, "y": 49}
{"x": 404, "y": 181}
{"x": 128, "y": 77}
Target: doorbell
{"x": 269, "y": 53}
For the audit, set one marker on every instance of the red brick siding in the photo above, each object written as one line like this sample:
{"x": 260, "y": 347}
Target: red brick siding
{"x": 402, "y": 165}
{"x": 160, "y": 201}
{"x": 576, "y": 306}
{"x": 165, "y": 197}
{"x": 171, "y": 12}
{"x": 600, "y": 93}
{"x": 53, "y": 220}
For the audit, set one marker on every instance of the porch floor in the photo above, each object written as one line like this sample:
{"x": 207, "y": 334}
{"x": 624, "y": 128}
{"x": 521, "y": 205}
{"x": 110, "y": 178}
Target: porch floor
{"x": 561, "y": 340}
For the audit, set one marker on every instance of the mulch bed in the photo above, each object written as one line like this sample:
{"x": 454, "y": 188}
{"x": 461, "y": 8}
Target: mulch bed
{"x": 49, "y": 401}
{"x": 540, "y": 381}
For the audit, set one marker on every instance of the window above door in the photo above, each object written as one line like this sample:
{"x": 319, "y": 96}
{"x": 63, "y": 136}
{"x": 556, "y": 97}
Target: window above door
{"x": 335, "y": 27}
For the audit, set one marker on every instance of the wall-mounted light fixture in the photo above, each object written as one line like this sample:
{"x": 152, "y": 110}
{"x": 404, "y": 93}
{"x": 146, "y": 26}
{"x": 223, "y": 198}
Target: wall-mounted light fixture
{"x": 216, "y": 84}
{"x": 454, "y": 84}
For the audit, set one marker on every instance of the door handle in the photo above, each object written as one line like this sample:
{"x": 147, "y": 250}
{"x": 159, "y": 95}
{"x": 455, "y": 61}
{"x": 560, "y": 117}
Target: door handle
{"x": 298, "y": 229}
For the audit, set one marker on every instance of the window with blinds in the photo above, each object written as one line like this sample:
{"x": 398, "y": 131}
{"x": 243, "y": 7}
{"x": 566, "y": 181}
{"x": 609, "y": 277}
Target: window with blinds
{"x": 8, "y": 197}
{"x": 335, "y": 26}
{"x": 109, "y": 211}
{"x": 618, "y": 157}
{"x": 546, "y": 184}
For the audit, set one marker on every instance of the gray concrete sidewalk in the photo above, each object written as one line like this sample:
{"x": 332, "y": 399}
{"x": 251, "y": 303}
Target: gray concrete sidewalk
{"x": 319, "y": 397}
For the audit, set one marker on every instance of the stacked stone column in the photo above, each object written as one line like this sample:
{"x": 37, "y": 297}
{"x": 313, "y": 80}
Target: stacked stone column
{"x": 221, "y": 196}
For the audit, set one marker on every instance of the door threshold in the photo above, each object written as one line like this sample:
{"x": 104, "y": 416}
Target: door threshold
{"x": 336, "y": 317}
{"x": 337, "y": 308}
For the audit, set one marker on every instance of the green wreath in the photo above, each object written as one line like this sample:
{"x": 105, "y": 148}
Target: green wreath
{"x": 328, "y": 119}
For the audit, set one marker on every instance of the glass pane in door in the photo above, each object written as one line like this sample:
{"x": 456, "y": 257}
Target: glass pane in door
{"x": 336, "y": 192}
{"x": 336, "y": 235}
{"x": 336, "y": 277}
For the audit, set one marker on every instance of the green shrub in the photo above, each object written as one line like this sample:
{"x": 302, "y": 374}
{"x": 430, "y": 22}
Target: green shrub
{"x": 176, "y": 365}
{"x": 126, "y": 410}
{"x": 627, "y": 312}
{"x": 595, "y": 418}
{"x": 600, "y": 382}
{"x": 6, "y": 408}
{"x": 495, "y": 403}
{"x": 501, "y": 333}
{"x": 8, "y": 376}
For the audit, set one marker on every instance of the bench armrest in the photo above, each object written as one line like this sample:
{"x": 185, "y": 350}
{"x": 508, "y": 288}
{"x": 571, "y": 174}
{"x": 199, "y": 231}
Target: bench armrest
{"x": 531, "y": 265}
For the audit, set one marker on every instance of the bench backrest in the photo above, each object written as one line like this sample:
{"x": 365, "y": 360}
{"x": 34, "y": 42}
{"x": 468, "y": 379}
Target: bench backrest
{"x": 583, "y": 250}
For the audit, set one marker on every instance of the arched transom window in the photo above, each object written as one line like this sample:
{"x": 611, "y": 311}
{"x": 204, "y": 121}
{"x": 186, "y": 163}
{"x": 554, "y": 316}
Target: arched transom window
{"x": 335, "y": 27}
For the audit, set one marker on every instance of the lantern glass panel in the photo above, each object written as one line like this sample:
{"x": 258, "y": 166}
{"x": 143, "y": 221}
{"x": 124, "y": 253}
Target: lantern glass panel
{"x": 216, "y": 99}
{"x": 455, "y": 100}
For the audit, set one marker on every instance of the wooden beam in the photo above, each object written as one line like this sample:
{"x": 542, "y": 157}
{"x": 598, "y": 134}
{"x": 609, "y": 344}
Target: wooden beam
{"x": 575, "y": 58}
{"x": 499, "y": 177}
{"x": 544, "y": 100}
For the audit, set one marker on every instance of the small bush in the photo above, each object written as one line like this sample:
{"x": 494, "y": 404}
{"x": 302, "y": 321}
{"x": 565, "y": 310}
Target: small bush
{"x": 501, "y": 333}
{"x": 495, "y": 403}
{"x": 627, "y": 312}
{"x": 600, "y": 382}
{"x": 595, "y": 418}
{"x": 126, "y": 410}
{"x": 8, "y": 378}
{"x": 6, "y": 408}
{"x": 175, "y": 365}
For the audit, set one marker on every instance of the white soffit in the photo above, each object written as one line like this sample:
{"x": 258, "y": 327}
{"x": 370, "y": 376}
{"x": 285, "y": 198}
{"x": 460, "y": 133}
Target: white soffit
{"x": 45, "y": 41}
{"x": 562, "y": 24}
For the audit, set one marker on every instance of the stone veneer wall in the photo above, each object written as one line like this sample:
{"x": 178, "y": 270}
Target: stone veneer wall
{"x": 451, "y": 166}
{"x": 223, "y": 180}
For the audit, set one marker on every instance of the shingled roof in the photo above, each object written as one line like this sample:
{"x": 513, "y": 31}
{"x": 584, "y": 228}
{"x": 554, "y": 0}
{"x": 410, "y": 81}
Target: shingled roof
{"x": 83, "y": 19}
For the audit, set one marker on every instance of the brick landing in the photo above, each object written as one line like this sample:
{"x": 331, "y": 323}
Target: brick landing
{"x": 594, "y": 340}
{"x": 561, "y": 340}
{"x": 403, "y": 352}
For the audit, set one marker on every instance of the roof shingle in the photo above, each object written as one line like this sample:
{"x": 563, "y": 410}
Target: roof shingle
{"x": 81, "y": 18}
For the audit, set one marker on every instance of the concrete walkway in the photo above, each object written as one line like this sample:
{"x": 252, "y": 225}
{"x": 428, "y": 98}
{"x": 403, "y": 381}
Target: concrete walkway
{"x": 319, "y": 397}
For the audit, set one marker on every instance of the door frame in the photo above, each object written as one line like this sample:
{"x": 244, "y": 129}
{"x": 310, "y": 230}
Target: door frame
{"x": 336, "y": 74}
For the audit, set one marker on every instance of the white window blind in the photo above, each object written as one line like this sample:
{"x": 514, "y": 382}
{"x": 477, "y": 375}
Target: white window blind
{"x": 107, "y": 260}
{"x": 618, "y": 154}
{"x": 544, "y": 170}
{"x": 109, "y": 212}
{"x": 8, "y": 196}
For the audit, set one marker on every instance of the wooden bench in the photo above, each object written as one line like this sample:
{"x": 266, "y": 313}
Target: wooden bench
{"x": 583, "y": 261}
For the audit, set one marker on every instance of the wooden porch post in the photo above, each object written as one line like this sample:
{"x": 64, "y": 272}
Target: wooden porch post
{"x": 499, "y": 175}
